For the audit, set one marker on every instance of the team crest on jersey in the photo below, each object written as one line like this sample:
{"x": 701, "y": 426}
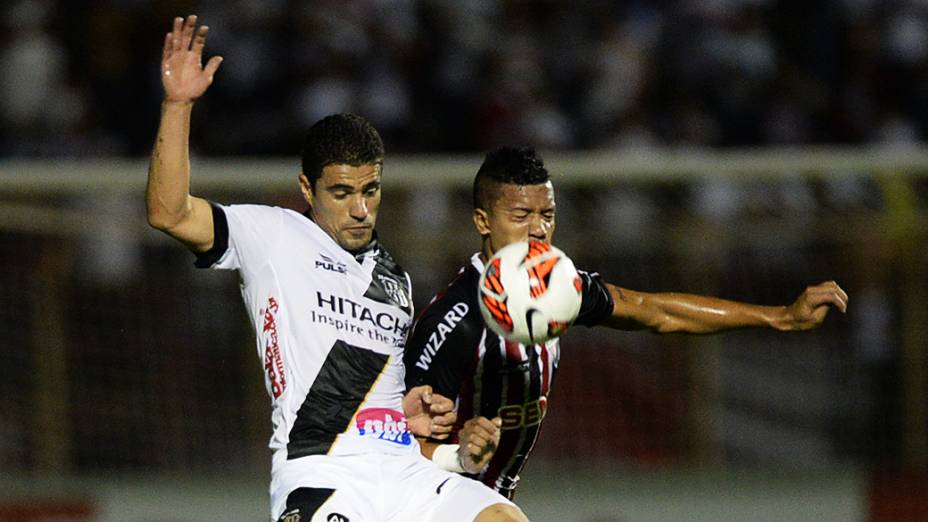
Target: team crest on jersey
{"x": 327, "y": 263}
{"x": 386, "y": 288}
{"x": 394, "y": 290}
{"x": 291, "y": 516}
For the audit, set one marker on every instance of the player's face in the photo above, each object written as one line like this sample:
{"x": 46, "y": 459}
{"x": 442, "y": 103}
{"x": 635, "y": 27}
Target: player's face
{"x": 344, "y": 203}
{"x": 520, "y": 213}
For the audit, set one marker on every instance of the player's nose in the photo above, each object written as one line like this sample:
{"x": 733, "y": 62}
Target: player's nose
{"x": 358, "y": 209}
{"x": 537, "y": 230}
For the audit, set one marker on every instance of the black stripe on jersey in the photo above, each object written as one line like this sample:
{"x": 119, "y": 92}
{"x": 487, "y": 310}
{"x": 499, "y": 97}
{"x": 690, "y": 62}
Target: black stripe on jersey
{"x": 303, "y": 503}
{"x": 344, "y": 380}
{"x": 491, "y": 380}
{"x": 220, "y": 239}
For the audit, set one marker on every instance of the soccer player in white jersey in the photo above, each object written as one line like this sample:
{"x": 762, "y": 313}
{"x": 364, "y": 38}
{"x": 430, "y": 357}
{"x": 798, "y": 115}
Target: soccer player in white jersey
{"x": 501, "y": 388}
{"x": 331, "y": 310}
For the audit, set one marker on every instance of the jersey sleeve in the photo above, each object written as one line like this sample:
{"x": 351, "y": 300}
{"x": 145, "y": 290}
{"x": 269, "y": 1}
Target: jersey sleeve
{"x": 243, "y": 237}
{"x": 443, "y": 347}
{"x": 597, "y": 303}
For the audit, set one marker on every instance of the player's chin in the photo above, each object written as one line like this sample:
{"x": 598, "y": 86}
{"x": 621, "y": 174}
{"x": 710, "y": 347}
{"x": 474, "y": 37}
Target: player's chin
{"x": 355, "y": 239}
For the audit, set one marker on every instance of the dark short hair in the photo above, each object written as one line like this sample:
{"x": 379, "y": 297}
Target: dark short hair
{"x": 346, "y": 139}
{"x": 516, "y": 166}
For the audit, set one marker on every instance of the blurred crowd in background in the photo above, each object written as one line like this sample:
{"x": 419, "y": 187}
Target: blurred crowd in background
{"x": 81, "y": 78}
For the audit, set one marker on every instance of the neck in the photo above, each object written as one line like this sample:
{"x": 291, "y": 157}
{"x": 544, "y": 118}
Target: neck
{"x": 486, "y": 251}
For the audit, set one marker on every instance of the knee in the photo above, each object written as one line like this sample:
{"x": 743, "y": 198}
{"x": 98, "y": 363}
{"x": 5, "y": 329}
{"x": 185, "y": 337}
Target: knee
{"x": 501, "y": 513}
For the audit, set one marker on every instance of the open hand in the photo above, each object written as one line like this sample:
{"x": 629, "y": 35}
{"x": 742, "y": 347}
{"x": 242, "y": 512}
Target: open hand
{"x": 477, "y": 441}
{"x": 183, "y": 75}
{"x": 428, "y": 414}
{"x": 811, "y": 307}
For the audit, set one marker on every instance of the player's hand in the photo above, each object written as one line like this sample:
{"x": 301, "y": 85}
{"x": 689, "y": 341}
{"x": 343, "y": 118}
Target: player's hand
{"x": 810, "y": 309}
{"x": 183, "y": 75}
{"x": 429, "y": 414}
{"x": 477, "y": 441}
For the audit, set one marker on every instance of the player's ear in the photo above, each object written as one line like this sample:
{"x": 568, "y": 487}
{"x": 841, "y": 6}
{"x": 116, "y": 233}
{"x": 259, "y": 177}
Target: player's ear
{"x": 307, "y": 189}
{"x": 482, "y": 221}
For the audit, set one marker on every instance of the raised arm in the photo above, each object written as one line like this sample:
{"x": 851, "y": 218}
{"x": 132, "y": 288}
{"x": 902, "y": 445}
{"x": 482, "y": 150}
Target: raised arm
{"x": 171, "y": 208}
{"x": 696, "y": 314}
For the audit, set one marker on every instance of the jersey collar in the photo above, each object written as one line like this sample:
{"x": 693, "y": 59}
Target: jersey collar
{"x": 477, "y": 262}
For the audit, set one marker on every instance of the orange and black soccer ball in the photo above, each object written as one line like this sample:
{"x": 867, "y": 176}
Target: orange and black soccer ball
{"x": 530, "y": 292}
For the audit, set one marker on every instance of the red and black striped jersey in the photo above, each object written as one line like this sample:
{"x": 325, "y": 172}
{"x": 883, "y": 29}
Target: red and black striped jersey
{"x": 452, "y": 350}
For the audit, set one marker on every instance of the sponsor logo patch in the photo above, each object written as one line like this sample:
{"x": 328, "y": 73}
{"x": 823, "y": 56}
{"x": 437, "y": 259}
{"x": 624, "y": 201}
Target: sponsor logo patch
{"x": 273, "y": 362}
{"x": 523, "y": 415}
{"x": 384, "y": 424}
{"x": 438, "y": 336}
{"x": 327, "y": 263}
{"x": 336, "y": 517}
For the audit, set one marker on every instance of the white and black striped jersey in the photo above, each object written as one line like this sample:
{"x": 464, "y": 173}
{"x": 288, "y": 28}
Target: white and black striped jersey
{"x": 330, "y": 325}
{"x": 452, "y": 350}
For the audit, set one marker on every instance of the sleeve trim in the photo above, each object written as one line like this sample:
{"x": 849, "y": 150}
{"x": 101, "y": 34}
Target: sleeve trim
{"x": 220, "y": 239}
{"x": 597, "y": 303}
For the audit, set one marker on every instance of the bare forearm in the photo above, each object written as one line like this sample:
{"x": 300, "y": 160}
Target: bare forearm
{"x": 168, "y": 191}
{"x": 688, "y": 313}
{"x": 171, "y": 208}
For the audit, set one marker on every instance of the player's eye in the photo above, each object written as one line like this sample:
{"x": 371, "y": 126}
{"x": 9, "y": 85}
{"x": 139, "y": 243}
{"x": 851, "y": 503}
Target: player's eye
{"x": 372, "y": 191}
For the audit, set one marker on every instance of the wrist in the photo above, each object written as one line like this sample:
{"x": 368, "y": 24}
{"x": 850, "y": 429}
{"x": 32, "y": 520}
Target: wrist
{"x": 169, "y": 103}
{"x": 446, "y": 457}
{"x": 782, "y": 319}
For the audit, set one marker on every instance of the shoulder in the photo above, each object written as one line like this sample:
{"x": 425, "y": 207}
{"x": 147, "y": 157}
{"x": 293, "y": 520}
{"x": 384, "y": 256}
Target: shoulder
{"x": 453, "y": 312}
{"x": 459, "y": 296}
{"x": 249, "y": 214}
{"x": 252, "y": 209}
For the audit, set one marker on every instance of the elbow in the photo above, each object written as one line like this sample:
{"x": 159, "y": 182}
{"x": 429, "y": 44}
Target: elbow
{"x": 166, "y": 214}
{"x": 160, "y": 219}
{"x": 157, "y": 220}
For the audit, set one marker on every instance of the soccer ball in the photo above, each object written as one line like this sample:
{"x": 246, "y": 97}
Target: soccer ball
{"x": 530, "y": 292}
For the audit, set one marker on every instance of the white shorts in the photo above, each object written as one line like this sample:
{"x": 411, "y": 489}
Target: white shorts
{"x": 380, "y": 488}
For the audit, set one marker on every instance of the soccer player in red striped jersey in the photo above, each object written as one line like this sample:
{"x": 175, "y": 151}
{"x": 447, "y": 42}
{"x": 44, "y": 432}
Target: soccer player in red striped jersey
{"x": 501, "y": 387}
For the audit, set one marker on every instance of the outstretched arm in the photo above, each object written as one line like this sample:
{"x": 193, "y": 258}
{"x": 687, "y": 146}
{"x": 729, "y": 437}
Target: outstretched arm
{"x": 171, "y": 208}
{"x": 687, "y": 313}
